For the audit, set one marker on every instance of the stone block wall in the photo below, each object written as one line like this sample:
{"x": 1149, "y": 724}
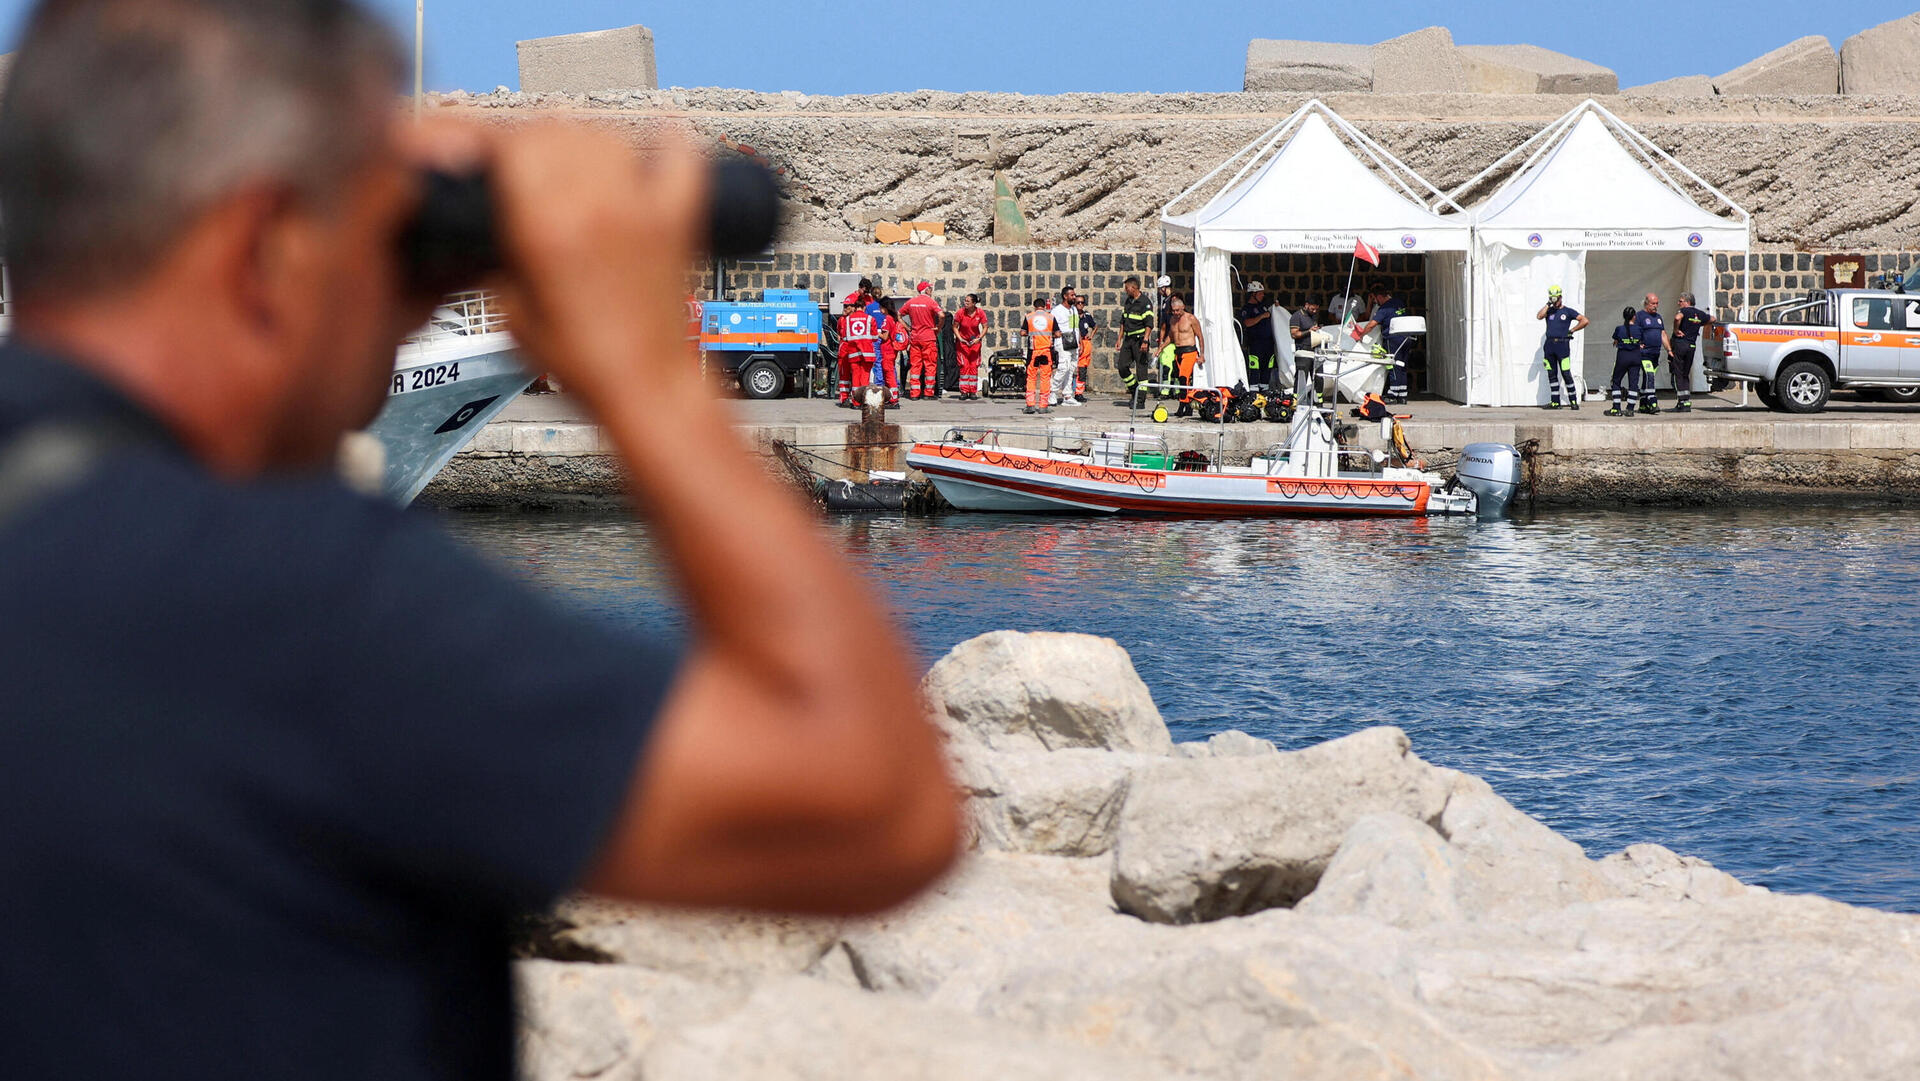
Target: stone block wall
{"x": 583, "y": 63}
{"x": 1783, "y": 275}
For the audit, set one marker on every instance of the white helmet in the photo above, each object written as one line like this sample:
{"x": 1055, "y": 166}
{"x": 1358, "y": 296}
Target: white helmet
{"x": 1164, "y": 281}
{"x": 1256, "y": 287}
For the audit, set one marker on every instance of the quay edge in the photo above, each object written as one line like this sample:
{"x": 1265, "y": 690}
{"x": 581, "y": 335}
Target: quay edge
{"x": 1577, "y": 463}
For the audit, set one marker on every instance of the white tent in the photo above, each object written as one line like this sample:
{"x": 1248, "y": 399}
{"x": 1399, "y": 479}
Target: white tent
{"x": 1299, "y": 188}
{"x": 1599, "y": 210}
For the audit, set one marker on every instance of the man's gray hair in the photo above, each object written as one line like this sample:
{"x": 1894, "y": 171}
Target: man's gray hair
{"x": 1687, "y": 299}
{"x": 124, "y": 120}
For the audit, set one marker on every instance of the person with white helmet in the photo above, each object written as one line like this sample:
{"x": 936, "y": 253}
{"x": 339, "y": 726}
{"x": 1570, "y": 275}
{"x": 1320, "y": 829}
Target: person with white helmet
{"x": 1257, "y": 339}
{"x": 1563, "y": 323}
{"x": 1164, "y": 307}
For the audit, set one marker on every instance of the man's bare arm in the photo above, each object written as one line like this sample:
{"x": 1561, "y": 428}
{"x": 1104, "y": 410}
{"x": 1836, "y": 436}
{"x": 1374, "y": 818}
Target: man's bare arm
{"x": 769, "y": 781}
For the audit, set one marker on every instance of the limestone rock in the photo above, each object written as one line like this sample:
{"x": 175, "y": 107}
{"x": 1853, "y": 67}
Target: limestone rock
{"x": 1423, "y": 62}
{"x": 1308, "y": 67}
{"x": 1391, "y": 869}
{"x": 1648, "y": 870}
{"x": 1806, "y": 66}
{"x": 1686, "y": 86}
{"x": 1206, "y": 839}
{"x": 715, "y": 946}
{"x": 1530, "y": 69}
{"x": 1884, "y": 59}
{"x": 1229, "y": 744}
{"x": 1746, "y": 987}
{"x": 1033, "y": 692}
{"x": 1509, "y": 864}
{"x": 886, "y": 232}
{"x": 1272, "y": 996}
{"x": 597, "y": 1020}
{"x": 994, "y": 904}
{"x": 1054, "y": 803}
{"x": 803, "y": 1030}
{"x": 583, "y": 63}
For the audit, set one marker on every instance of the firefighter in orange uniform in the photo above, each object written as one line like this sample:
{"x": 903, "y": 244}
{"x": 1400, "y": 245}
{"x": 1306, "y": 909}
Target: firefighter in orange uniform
{"x": 969, "y": 330}
{"x": 922, "y": 316}
{"x": 857, "y": 335}
{"x": 1039, "y": 331}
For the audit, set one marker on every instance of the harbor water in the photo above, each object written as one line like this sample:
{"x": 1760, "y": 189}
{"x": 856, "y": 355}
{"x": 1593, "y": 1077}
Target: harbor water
{"x": 1738, "y": 685}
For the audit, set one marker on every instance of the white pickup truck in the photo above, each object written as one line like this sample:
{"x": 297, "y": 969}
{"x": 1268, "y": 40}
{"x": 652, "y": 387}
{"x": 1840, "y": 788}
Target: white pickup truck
{"x": 1797, "y": 352}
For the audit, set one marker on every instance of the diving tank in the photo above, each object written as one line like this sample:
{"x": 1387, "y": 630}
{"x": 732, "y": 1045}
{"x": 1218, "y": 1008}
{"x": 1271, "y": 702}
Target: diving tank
{"x": 1491, "y": 471}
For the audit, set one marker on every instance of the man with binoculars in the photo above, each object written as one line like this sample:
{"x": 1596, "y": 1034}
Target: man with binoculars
{"x": 282, "y": 763}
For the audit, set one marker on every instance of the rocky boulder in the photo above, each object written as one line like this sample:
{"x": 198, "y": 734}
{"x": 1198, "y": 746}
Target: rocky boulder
{"x": 1648, "y": 870}
{"x": 1308, "y": 67}
{"x": 804, "y": 1030}
{"x": 597, "y": 1020}
{"x": 1529, "y": 69}
{"x": 1508, "y": 864}
{"x": 1686, "y": 86}
{"x": 1043, "y": 692}
{"x": 726, "y": 947}
{"x": 1206, "y": 839}
{"x": 993, "y": 903}
{"x": 1229, "y": 744}
{"x": 1807, "y": 66}
{"x": 1391, "y": 869}
{"x": 1423, "y": 62}
{"x": 1054, "y": 803}
{"x": 1884, "y": 59}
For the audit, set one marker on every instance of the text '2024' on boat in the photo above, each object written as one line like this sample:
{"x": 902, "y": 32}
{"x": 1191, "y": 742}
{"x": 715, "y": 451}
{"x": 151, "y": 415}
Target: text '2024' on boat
{"x": 1055, "y": 470}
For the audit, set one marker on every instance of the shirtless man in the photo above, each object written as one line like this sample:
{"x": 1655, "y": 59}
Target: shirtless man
{"x": 1187, "y": 340}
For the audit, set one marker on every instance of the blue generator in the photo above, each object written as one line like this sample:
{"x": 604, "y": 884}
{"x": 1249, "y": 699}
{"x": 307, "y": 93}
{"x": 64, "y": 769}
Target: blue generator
{"x": 766, "y": 345}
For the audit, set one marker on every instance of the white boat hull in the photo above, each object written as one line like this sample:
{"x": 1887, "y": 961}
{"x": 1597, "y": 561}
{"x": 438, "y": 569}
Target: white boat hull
{"x": 974, "y": 476}
{"x": 443, "y": 392}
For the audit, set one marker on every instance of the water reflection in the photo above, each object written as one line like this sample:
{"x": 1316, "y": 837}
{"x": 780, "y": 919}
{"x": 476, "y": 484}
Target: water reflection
{"x": 1736, "y": 684}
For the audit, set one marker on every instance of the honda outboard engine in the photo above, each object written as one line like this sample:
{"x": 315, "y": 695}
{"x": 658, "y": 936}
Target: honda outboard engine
{"x": 1491, "y": 471}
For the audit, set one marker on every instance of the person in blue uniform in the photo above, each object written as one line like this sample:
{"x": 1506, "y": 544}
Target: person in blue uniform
{"x": 1625, "y": 389}
{"x": 1653, "y": 342}
{"x": 1386, "y": 308}
{"x": 1688, "y": 323}
{"x": 1256, "y": 319}
{"x": 1563, "y": 323}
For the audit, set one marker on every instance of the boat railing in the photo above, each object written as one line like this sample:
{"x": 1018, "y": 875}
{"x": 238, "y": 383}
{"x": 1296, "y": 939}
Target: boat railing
{"x": 464, "y": 315}
{"x": 1062, "y": 440}
{"x": 1367, "y": 461}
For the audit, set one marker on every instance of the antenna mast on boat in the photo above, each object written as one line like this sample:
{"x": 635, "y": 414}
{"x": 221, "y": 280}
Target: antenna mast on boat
{"x": 419, "y": 54}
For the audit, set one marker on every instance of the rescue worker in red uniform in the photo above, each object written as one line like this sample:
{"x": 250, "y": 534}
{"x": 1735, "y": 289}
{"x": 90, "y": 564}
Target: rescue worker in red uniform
{"x": 922, "y": 317}
{"x": 892, "y": 338}
{"x": 969, "y": 330}
{"x": 857, "y": 335}
{"x": 1039, "y": 332}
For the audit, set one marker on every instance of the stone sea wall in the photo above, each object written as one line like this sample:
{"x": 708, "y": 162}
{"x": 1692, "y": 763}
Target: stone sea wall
{"x": 1217, "y": 911}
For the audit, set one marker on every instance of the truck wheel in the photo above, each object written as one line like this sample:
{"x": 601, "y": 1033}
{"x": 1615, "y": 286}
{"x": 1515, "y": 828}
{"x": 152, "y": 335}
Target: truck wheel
{"x": 1803, "y": 387}
{"x": 1764, "y": 392}
{"x": 1900, "y": 395}
{"x": 763, "y": 379}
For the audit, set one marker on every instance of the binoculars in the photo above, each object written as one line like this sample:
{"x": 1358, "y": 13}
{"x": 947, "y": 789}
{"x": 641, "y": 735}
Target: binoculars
{"x": 452, "y": 241}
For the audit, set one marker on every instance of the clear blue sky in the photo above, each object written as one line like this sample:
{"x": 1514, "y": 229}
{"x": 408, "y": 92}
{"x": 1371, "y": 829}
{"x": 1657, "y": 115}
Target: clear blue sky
{"x": 818, "y": 48}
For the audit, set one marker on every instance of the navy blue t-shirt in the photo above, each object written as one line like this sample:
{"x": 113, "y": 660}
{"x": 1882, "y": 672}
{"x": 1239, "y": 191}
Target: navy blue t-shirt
{"x": 1626, "y": 342}
{"x": 1259, "y": 337}
{"x": 1384, "y": 315}
{"x": 281, "y": 763}
{"x": 1650, "y": 326}
{"x": 1686, "y": 327}
{"x": 1560, "y": 321}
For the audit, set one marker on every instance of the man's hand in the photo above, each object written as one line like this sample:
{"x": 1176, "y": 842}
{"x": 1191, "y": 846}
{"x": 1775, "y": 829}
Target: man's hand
{"x": 597, "y": 242}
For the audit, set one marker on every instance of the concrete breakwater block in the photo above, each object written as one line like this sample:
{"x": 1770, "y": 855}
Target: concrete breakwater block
{"x": 1807, "y": 66}
{"x": 1686, "y": 86}
{"x": 1884, "y": 59}
{"x": 619, "y": 59}
{"x": 1308, "y": 67}
{"x": 1435, "y": 931}
{"x": 1530, "y": 69}
{"x": 1423, "y": 62}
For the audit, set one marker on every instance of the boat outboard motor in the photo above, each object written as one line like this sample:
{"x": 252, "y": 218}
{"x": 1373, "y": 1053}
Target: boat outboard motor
{"x": 1491, "y": 471}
